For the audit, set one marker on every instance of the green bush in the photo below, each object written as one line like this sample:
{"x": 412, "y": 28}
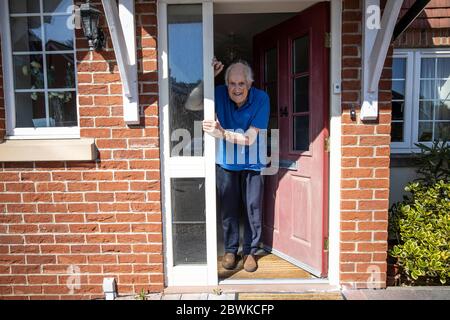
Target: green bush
{"x": 421, "y": 224}
{"x": 433, "y": 162}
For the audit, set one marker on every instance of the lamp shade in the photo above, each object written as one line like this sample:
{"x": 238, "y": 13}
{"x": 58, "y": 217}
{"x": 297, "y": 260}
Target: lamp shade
{"x": 89, "y": 21}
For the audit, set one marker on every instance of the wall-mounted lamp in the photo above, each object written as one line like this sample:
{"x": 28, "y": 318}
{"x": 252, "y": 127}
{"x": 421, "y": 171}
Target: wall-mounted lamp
{"x": 89, "y": 20}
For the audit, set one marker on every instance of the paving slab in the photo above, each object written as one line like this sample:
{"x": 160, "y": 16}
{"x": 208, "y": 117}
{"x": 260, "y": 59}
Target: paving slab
{"x": 399, "y": 293}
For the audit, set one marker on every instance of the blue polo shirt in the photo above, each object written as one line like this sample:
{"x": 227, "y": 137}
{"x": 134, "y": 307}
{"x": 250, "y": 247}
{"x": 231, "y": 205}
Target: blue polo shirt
{"x": 254, "y": 113}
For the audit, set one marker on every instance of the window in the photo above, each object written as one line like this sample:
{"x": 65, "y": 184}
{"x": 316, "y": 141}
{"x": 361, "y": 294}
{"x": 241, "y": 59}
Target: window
{"x": 40, "y": 68}
{"x": 420, "y": 98}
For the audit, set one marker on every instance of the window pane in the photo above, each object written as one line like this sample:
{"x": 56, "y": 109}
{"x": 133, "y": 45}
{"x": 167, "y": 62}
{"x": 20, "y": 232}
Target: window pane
{"x": 442, "y": 131}
{"x": 426, "y": 110}
{"x": 398, "y": 89}
{"x": 53, "y": 6}
{"x": 30, "y": 110}
{"x": 188, "y": 212}
{"x": 28, "y": 72}
{"x": 397, "y": 132}
{"x": 26, "y": 34}
{"x": 189, "y": 244}
{"x": 398, "y": 108}
{"x": 300, "y": 55}
{"x": 24, "y": 6}
{"x": 62, "y": 109}
{"x": 443, "y": 68}
{"x": 399, "y": 68}
{"x": 271, "y": 65}
{"x": 444, "y": 90}
{"x": 57, "y": 34}
{"x": 188, "y": 200}
{"x": 428, "y": 68}
{"x": 443, "y": 110}
{"x": 185, "y": 49}
{"x": 60, "y": 70}
{"x": 301, "y": 94}
{"x": 301, "y": 133}
{"x": 425, "y": 131}
{"x": 428, "y": 90}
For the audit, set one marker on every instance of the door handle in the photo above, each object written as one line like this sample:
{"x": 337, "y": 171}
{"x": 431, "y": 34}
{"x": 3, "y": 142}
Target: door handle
{"x": 284, "y": 112}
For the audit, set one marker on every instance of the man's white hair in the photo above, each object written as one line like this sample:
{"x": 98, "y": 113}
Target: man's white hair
{"x": 248, "y": 72}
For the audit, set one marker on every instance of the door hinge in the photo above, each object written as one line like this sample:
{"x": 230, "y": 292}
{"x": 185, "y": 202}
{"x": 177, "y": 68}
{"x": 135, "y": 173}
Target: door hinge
{"x": 325, "y": 244}
{"x": 328, "y": 40}
{"x": 327, "y": 144}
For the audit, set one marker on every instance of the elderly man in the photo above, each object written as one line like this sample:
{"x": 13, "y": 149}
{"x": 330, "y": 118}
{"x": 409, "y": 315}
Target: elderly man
{"x": 242, "y": 111}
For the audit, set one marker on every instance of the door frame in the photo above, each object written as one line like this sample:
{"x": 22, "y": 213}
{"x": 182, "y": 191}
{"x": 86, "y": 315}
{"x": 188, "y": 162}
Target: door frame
{"x": 207, "y": 275}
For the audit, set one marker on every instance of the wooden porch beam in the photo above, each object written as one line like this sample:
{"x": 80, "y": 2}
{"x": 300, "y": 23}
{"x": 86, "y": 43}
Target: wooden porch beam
{"x": 383, "y": 41}
{"x": 120, "y": 20}
{"x": 376, "y": 44}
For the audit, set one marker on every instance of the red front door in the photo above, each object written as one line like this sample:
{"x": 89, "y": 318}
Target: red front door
{"x": 292, "y": 66}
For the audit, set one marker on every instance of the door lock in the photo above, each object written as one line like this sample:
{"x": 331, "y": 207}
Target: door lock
{"x": 284, "y": 112}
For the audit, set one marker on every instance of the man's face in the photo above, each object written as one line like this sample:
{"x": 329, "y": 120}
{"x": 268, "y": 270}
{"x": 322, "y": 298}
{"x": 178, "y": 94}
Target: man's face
{"x": 237, "y": 85}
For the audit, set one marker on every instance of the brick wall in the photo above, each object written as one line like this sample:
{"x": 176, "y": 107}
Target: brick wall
{"x": 423, "y": 38}
{"x": 435, "y": 15}
{"x": 102, "y": 218}
{"x": 365, "y": 161}
{"x": 430, "y": 30}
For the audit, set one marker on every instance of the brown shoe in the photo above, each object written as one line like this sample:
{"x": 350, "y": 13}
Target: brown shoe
{"x": 229, "y": 261}
{"x": 250, "y": 264}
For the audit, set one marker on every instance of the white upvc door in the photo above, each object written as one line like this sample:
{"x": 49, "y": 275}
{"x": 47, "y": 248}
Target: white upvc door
{"x": 185, "y": 52}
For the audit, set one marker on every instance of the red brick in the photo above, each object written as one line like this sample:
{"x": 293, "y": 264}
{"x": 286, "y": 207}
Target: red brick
{"x": 356, "y": 236}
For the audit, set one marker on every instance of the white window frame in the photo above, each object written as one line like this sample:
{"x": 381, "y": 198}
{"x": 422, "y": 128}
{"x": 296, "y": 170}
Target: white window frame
{"x": 411, "y": 111}
{"x": 188, "y": 167}
{"x": 8, "y": 79}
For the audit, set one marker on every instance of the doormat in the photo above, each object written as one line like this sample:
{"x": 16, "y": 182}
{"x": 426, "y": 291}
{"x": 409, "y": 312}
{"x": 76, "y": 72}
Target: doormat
{"x": 291, "y": 296}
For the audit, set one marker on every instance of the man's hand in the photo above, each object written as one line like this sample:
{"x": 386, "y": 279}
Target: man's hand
{"x": 213, "y": 128}
{"x": 218, "y": 66}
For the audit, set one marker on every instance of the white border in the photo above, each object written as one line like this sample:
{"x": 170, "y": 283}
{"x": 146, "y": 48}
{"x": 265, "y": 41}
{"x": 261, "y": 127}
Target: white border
{"x": 334, "y": 211}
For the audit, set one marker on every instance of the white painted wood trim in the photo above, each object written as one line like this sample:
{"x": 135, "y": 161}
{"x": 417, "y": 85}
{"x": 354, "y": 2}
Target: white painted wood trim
{"x": 8, "y": 82}
{"x": 334, "y": 219}
{"x": 163, "y": 96}
{"x": 210, "y": 143}
{"x": 382, "y": 42}
{"x": 369, "y": 107}
{"x": 122, "y": 46}
{"x": 189, "y": 275}
{"x": 375, "y": 47}
{"x": 130, "y": 103}
{"x": 415, "y": 97}
{"x": 409, "y": 102}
